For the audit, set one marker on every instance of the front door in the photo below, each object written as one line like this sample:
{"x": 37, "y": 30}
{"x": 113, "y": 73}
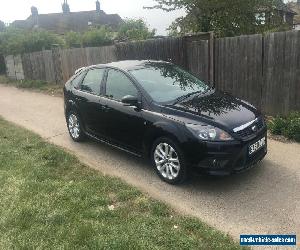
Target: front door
{"x": 124, "y": 124}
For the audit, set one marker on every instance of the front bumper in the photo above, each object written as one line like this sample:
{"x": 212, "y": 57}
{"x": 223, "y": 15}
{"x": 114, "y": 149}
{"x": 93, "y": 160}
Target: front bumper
{"x": 231, "y": 158}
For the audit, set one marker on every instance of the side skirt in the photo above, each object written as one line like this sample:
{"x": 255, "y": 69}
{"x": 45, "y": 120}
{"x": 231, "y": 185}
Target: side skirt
{"x": 113, "y": 145}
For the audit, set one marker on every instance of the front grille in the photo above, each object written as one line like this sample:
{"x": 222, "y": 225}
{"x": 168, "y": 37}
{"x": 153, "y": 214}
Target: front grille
{"x": 248, "y": 131}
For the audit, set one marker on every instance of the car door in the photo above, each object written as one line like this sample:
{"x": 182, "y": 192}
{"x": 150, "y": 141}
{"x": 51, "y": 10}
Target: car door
{"x": 124, "y": 124}
{"x": 89, "y": 102}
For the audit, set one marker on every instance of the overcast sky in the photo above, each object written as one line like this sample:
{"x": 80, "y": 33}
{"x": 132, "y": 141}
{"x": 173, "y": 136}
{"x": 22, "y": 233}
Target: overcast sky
{"x": 20, "y": 9}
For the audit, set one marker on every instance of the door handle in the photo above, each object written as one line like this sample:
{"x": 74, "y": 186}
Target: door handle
{"x": 106, "y": 108}
{"x": 77, "y": 98}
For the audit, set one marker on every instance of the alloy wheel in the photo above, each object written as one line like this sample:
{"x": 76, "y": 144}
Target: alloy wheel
{"x": 74, "y": 126}
{"x": 167, "y": 161}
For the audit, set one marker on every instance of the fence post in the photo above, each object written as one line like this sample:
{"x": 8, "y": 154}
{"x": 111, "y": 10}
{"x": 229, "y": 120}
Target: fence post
{"x": 2, "y": 64}
{"x": 57, "y": 65}
{"x": 211, "y": 46}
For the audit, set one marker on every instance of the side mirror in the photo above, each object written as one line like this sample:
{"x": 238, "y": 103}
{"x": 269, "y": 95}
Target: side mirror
{"x": 130, "y": 100}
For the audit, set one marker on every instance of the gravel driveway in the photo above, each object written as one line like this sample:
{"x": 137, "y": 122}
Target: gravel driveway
{"x": 263, "y": 200}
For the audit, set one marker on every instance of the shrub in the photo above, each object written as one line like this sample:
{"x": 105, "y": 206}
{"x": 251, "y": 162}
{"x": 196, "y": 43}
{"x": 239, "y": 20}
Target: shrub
{"x": 277, "y": 125}
{"x": 73, "y": 39}
{"x": 17, "y": 41}
{"x": 97, "y": 37}
{"x": 135, "y": 29}
{"x": 293, "y": 130}
{"x": 289, "y": 126}
{"x": 293, "y": 115}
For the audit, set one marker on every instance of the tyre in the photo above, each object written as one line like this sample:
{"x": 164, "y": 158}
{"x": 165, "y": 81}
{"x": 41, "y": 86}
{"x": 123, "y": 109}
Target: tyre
{"x": 75, "y": 126}
{"x": 168, "y": 161}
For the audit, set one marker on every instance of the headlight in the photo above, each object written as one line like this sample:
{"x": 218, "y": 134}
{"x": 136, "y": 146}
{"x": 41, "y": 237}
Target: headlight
{"x": 209, "y": 133}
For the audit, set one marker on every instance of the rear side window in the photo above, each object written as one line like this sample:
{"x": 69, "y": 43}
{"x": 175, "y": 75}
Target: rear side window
{"x": 92, "y": 81}
{"x": 119, "y": 85}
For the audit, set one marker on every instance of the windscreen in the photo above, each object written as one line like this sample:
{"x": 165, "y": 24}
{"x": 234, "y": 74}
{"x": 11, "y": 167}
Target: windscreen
{"x": 167, "y": 82}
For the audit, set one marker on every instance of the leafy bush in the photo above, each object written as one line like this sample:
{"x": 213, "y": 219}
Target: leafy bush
{"x": 288, "y": 126}
{"x": 97, "y": 37}
{"x": 135, "y": 29}
{"x": 73, "y": 39}
{"x": 16, "y": 41}
{"x": 293, "y": 130}
{"x": 278, "y": 125}
{"x": 2, "y": 26}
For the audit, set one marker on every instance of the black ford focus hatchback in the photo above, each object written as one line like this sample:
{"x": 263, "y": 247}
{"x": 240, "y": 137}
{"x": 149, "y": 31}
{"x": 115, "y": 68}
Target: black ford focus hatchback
{"x": 157, "y": 110}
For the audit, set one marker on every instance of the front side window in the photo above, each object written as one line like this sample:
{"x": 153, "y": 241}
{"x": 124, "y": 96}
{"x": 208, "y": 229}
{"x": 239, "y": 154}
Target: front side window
{"x": 119, "y": 85}
{"x": 92, "y": 81}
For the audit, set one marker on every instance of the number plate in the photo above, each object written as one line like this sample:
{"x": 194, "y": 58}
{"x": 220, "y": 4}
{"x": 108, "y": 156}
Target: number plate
{"x": 253, "y": 148}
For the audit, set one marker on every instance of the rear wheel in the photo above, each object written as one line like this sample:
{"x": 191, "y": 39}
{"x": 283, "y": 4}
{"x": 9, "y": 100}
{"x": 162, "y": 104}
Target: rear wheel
{"x": 168, "y": 161}
{"x": 75, "y": 126}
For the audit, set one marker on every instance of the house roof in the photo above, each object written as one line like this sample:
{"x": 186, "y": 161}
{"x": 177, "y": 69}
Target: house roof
{"x": 296, "y": 8}
{"x": 64, "y": 22}
{"x": 280, "y": 5}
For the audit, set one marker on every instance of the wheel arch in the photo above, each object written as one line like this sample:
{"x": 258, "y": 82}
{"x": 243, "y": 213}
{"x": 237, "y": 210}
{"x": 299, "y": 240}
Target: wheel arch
{"x": 159, "y": 130}
{"x": 71, "y": 106}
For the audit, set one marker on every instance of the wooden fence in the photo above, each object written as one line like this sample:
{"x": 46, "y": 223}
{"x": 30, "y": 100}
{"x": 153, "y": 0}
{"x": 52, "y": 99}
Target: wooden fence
{"x": 264, "y": 70}
{"x": 59, "y": 65}
{"x": 238, "y": 67}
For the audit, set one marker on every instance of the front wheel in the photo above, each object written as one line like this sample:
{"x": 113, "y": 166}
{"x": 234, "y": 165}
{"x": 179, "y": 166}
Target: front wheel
{"x": 169, "y": 161}
{"x": 75, "y": 127}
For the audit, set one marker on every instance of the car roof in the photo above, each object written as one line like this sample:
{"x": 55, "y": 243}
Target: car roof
{"x": 128, "y": 64}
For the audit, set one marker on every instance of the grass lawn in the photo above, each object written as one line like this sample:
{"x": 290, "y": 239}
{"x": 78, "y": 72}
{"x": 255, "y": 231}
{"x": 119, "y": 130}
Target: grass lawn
{"x": 40, "y": 86}
{"x": 49, "y": 200}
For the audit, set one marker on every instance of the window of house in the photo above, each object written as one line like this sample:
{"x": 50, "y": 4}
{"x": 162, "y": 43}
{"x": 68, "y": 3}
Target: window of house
{"x": 92, "y": 81}
{"x": 261, "y": 18}
{"x": 119, "y": 85}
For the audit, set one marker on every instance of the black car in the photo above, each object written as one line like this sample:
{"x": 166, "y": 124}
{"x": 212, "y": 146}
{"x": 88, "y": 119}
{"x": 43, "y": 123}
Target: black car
{"x": 158, "y": 110}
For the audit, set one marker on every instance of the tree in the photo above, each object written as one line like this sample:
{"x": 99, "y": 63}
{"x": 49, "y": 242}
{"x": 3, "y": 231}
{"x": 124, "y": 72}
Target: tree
{"x": 97, "y": 37}
{"x": 224, "y": 17}
{"x": 135, "y": 29}
{"x": 41, "y": 40}
{"x": 16, "y": 41}
{"x": 2, "y": 26}
{"x": 73, "y": 39}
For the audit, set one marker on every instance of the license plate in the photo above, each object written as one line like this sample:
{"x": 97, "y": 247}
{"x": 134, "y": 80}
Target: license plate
{"x": 253, "y": 148}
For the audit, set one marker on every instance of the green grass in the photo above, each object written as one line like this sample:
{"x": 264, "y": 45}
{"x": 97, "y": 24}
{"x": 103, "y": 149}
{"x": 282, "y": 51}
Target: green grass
{"x": 41, "y": 86}
{"x": 49, "y": 200}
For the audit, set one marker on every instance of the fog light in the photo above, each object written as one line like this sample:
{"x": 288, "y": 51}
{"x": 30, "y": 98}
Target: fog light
{"x": 215, "y": 163}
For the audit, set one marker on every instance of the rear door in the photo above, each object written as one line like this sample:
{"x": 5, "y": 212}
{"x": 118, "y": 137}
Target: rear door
{"x": 89, "y": 102}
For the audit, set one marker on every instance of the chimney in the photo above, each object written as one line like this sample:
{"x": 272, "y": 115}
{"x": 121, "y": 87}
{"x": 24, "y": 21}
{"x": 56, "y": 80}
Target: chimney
{"x": 65, "y": 7}
{"x": 98, "y": 9}
{"x": 34, "y": 11}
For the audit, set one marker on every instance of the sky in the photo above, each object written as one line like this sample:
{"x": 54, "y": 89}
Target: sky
{"x": 158, "y": 19}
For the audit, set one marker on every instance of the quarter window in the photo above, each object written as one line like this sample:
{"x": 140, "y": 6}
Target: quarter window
{"x": 77, "y": 80}
{"x": 92, "y": 81}
{"x": 119, "y": 85}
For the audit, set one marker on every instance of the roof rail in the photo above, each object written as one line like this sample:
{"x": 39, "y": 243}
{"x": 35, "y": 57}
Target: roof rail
{"x": 79, "y": 70}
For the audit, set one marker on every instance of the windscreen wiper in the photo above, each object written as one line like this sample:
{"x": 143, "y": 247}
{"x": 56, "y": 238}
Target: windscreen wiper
{"x": 182, "y": 98}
